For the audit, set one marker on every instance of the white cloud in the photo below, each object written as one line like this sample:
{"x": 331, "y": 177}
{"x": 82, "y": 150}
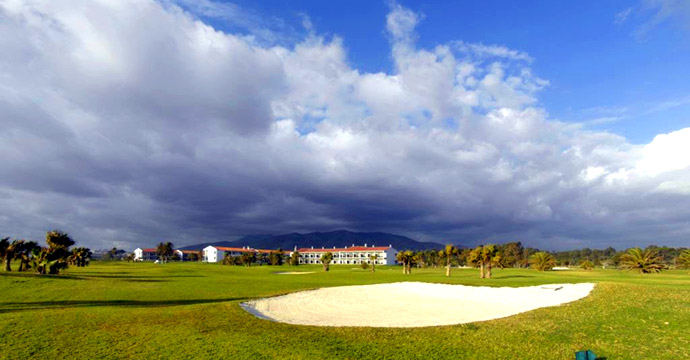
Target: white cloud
{"x": 667, "y": 152}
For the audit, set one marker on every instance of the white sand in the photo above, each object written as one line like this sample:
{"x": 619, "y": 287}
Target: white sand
{"x": 410, "y": 304}
{"x": 295, "y": 272}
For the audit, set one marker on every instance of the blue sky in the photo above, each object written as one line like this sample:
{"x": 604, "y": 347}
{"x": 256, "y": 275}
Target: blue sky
{"x": 625, "y": 74}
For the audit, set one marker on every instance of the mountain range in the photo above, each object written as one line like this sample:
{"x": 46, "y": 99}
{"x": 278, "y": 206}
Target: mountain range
{"x": 340, "y": 238}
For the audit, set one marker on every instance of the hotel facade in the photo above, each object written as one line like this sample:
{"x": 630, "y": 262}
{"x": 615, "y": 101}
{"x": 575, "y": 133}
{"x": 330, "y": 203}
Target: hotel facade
{"x": 350, "y": 255}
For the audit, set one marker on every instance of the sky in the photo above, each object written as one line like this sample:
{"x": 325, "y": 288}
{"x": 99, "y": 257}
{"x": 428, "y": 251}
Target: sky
{"x": 561, "y": 125}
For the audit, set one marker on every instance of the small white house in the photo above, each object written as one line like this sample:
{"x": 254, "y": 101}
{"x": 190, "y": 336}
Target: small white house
{"x": 145, "y": 254}
{"x": 352, "y": 255}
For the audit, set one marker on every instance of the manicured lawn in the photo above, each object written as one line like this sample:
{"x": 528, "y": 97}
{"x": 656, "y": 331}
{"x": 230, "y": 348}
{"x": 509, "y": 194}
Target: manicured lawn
{"x": 191, "y": 310}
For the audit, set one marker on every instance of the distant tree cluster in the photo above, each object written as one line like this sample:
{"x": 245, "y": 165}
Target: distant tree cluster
{"x": 49, "y": 259}
{"x": 246, "y": 259}
{"x": 514, "y": 255}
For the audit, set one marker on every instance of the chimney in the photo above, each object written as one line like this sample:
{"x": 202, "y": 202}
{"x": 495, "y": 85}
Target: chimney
{"x": 295, "y": 248}
{"x": 353, "y": 245}
{"x": 322, "y": 248}
{"x": 334, "y": 247}
{"x": 312, "y": 248}
{"x": 390, "y": 245}
{"x": 365, "y": 244}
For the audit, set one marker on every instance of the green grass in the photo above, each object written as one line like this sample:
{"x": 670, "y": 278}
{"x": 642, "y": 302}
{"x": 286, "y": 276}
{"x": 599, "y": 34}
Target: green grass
{"x": 191, "y": 310}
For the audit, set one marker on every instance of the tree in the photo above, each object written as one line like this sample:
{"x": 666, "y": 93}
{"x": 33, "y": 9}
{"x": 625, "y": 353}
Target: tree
{"x": 406, "y": 258}
{"x": 247, "y": 258}
{"x": 683, "y": 260}
{"x": 229, "y": 259}
{"x": 542, "y": 261}
{"x": 586, "y": 265}
{"x": 294, "y": 258}
{"x": 276, "y": 257}
{"x": 645, "y": 261}
{"x": 373, "y": 259}
{"x": 9, "y": 251}
{"x": 448, "y": 254}
{"x": 263, "y": 258}
{"x": 4, "y": 245}
{"x": 55, "y": 257}
{"x": 80, "y": 256}
{"x": 195, "y": 256}
{"x": 164, "y": 251}
{"x": 326, "y": 260}
{"x": 513, "y": 254}
{"x": 23, "y": 254}
{"x": 483, "y": 257}
{"x": 113, "y": 254}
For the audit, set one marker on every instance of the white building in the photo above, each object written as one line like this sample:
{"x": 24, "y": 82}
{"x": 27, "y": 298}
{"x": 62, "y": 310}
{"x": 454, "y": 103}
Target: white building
{"x": 145, "y": 254}
{"x": 351, "y": 255}
{"x": 151, "y": 254}
{"x": 217, "y": 253}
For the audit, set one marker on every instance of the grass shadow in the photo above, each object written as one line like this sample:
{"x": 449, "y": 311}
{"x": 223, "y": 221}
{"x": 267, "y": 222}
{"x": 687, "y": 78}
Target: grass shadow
{"x": 30, "y": 274}
{"x": 66, "y": 304}
{"x": 83, "y": 276}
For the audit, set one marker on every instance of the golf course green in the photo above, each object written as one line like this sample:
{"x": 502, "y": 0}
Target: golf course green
{"x": 115, "y": 310}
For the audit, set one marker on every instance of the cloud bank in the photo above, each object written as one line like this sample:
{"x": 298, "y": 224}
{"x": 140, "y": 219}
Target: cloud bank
{"x": 130, "y": 122}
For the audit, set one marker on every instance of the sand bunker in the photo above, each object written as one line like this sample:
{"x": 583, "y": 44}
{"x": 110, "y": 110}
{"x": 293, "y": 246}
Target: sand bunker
{"x": 295, "y": 272}
{"x": 410, "y": 304}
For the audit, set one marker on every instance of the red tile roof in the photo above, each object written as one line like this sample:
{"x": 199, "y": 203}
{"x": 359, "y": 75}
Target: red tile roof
{"x": 266, "y": 251}
{"x": 223, "y": 248}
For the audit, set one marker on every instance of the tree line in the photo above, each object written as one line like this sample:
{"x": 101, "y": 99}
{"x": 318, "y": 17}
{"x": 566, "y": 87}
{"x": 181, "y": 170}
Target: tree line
{"x": 275, "y": 257}
{"x": 514, "y": 255}
{"x": 50, "y": 259}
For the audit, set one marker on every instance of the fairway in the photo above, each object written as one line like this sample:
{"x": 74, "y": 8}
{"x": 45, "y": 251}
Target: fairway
{"x": 191, "y": 310}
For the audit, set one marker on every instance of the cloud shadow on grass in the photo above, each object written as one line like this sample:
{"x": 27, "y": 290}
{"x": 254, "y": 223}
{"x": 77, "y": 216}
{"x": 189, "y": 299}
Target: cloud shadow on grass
{"x": 141, "y": 278}
{"x": 9, "y": 307}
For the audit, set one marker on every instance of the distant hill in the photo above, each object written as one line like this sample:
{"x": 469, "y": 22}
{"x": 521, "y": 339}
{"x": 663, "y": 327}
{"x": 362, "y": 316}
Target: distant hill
{"x": 340, "y": 238}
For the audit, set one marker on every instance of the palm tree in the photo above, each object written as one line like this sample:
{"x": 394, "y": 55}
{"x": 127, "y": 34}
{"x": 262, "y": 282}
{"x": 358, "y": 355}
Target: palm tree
{"x": 475, "y": 258}
{"x": 373, "y": 259}
{"x": 276, "y": 257}
{"x": 326, "y": 260}
{"x": 247, "y": 258}
{"x": 448, "y": 254}
{"x": 586, "y": 265}
{"x": 489, "y": 254}
{"x": 55, "y": 257}
{"x": 4, "y": 244}
{"x": 542, "y": 261}
{"x": 23, "y": 254}
{"x": 80, "y": 256}
{"x": 406, "y": 258}
{"x": 164, "y": 251}
{"x": 483, "y": 256}
{"x": 9, "y": 251}
{"x": 683, "y": 259}
{"x": 57, "y": 239}
{"x": 645, "y": 261}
